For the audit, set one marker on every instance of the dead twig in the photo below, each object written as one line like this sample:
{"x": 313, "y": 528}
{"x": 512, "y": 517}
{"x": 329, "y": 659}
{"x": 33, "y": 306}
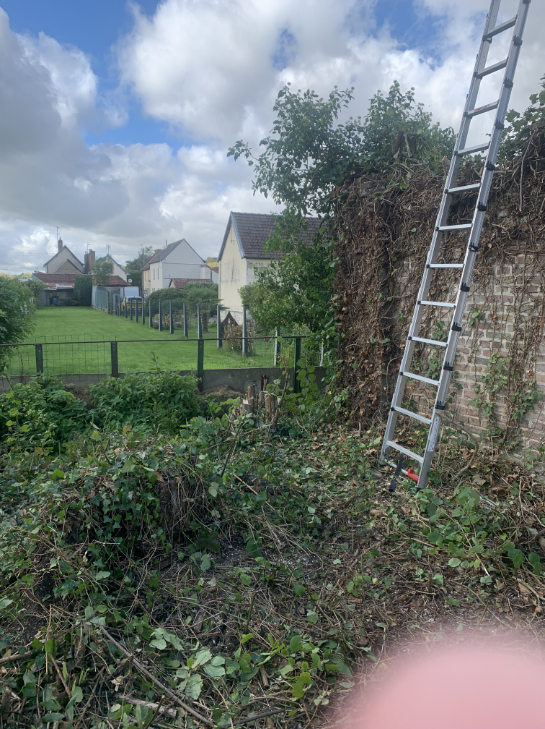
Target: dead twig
{"x": 144, "y": 671}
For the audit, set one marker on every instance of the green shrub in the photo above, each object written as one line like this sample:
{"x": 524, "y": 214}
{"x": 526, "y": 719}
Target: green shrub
{"x": 164, "y": 401}
{"x": 71, "y": 302}
{"x": 40, "y": 414}
{"x": 83, "y": 289}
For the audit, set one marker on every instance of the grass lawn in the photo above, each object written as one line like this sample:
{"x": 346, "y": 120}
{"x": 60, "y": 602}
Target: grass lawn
{"x": 71, "y": 325}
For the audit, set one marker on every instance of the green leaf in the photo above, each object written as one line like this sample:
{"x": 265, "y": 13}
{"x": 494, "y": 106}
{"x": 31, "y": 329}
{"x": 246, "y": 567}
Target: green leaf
{"x": 535, "y": 561}
{"x": 102, "y": 575}
{"x": 201, "y": 658}
{"x": 454, "y": 562}
{"x": 312, "y": 617}
{"x": 193, "y": 686}
{"x": 214, "y": 671}
{"x": 5, "y": 602}
{"x": 54, "y": 716}
{"x": 159, "y": 643}
{"x": 516, "y": 556}
{"x": 296, "y": 644}
{"x": 300, "y": 590}
{"x": 245, "y": 579}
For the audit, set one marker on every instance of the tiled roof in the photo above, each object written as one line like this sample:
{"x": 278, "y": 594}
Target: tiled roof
{"x": 115, "y": 281}
{"x": 179, "y": 283}
{"x": 66, "y": 279}
{"x": 160, "y": 255}
{"x": 253, "y": 230}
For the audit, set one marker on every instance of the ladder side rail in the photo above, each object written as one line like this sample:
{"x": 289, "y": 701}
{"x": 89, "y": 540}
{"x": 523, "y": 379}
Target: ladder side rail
{"x": 478, "y": 221}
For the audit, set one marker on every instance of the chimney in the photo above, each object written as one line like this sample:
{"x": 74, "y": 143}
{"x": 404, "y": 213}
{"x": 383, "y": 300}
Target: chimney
{"x": 60, "y": 244}
{"x": 89, "y": 261}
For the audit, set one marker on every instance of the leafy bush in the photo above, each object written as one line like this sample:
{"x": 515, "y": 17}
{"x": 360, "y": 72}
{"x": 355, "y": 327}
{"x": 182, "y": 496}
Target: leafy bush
{"x": 71, "y": 302}
{"x": 40, "y": 413}
{"x": 15, "y": 314}
{"x": 83, "y": 289}
{"x": 163, "y": 401}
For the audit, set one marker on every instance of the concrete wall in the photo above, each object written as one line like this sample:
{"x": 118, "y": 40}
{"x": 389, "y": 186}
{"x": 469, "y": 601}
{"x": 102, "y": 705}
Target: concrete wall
{"x": 238, "y": 379}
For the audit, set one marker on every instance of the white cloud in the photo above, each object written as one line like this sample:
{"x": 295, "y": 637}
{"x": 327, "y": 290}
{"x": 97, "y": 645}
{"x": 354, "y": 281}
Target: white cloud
{"x": 211, "y": 70}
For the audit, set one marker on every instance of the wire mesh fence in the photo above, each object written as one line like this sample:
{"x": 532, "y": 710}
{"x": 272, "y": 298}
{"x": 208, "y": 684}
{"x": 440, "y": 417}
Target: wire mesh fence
{"x": 78, "y": 356}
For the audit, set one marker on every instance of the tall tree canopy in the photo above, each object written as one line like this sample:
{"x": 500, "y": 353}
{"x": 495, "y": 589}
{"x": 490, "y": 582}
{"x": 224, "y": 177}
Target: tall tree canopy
{"x": 309, "y": 153}
{"x": 16, "y": 309}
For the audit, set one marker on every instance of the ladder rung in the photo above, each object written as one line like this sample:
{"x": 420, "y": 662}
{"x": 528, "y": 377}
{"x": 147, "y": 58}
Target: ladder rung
{"x": 475, "y": 186}
{"x": 446, "y": 265}
{"x": 463, "y": 226}
{"x": 428, "y": 341}
{"x": 416, "y": 416}
{"x": 492, "y": 69}
{"x": 500, "y": 28}
{"x": 405, "y": 451}
{"x": 473, "y": 150}
{"x": 483, "y": 109}
{"x": 437, "y": 303}
{"x": 427, "y": 380}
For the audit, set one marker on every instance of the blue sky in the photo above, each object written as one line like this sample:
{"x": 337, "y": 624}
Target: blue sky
{"x": 116, "y": 118}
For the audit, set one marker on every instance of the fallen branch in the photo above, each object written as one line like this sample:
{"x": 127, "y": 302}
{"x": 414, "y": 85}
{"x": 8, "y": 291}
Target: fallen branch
{"x": 150, "y": 705}
{"x": 144, "y": 671}
{"x": 272, "y": 712}
{"x": 16, "y": 657}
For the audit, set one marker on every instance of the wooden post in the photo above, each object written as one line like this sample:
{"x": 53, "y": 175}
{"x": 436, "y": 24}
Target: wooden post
{"x": 132, "y": 301}
{"x": 250, "y": 396}
{"x": 296, "y": 358}
{"x": 115, "y": 364}
{"x": 200, "y": 363}
{"x": 160, "y": 317}
{"x": 218, "y": 326}
{"x": 143, "y": 311}
{"x": 136, "y": 309}
{"x": 170, "y": 319}
{"x": 150, "y": 315}
{"x": 244, "y": 332}
{"x": 39, "y": 359}
{"x": 184, "y": 314}
{"x": 199, "y": 322}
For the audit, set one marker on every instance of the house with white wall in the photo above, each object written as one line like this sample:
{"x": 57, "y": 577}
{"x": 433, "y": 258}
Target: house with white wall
{"x": 64, "y": 261}
{"x": 243, "y": 252}
{"x": 177, "y": 260}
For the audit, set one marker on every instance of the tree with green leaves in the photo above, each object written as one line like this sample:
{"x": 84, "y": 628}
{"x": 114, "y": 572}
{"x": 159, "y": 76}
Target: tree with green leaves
{"x": 16, "y": 310}
{"x": 309, "y": 154}
{"x": 83, "y": 290}
{"x": 35, "y": 287}
{"x": 522, "y": 129}
{"x": 134, "y": 267}
{"x": 102, "y": 270}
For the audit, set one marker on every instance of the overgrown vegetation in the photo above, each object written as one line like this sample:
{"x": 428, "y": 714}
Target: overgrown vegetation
{"x": 306, "y": 157}
{"x": 240, "y": 568}
{"x": 83, "y": 290}
{"x": 16, "y": 307}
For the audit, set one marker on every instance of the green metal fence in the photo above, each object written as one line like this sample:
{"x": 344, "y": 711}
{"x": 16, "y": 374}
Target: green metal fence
{"x": 81, "y": 356}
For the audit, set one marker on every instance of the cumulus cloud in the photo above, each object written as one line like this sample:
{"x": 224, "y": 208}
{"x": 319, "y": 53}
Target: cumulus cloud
{"x": 211, "y": 70}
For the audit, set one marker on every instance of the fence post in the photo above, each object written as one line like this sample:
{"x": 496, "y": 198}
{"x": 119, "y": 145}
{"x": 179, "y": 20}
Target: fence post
{"x": 186, "y": 332}
{"x": 200, "y": 363}
{"x": 199, "y": 322}
{"x": 39, "y": 359}
{"x": 296, "y": 358}
{"x": 150, "y": 315}
{"x": 218, "y": 326}
{"x": 115, "y": 365}
{"x": 170, "y": 317}
{"x": 132, "y": 302}
{"x": 126, "y": 312}
{"x": 143, "y": 311}
{"x": 136, "y": 309}
{"x": 277, "y": 347}
{"x": 244, "y": 332}
{"x": 160, "y": 318}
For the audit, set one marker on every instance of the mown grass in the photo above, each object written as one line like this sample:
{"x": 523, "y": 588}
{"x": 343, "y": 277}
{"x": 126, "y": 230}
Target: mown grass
{"x": 62, "y": 329}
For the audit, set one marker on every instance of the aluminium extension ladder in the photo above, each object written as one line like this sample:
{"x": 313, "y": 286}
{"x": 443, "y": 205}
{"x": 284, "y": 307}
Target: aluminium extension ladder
{"x": 474, "y": 230}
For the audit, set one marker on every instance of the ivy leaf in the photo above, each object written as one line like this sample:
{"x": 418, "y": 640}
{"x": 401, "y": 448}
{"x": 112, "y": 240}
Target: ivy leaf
{"x": 245, "y": 579}
{"x": 214, "y": 671}
{"x": 193, "y": 686}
